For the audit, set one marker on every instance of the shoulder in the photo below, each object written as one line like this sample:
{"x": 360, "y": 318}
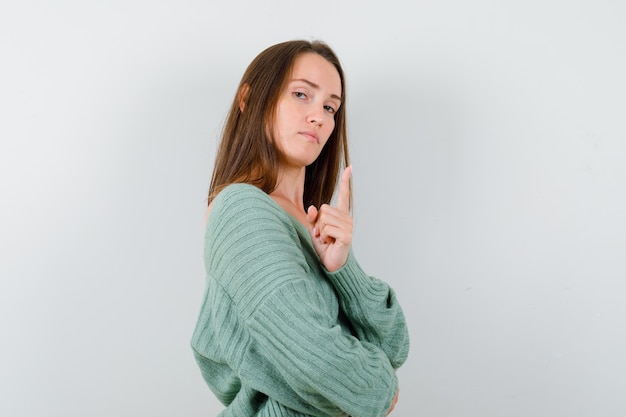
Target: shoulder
{"x": 240, "y": 193}
{"x": 233, "y": 195}
{"x": 242, "y": 197}
{"x": 246, "y": 232}
{"x": 239, "y": 204}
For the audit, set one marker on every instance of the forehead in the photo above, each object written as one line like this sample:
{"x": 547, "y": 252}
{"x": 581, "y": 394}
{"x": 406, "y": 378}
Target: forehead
{"x": 315, "y": 68}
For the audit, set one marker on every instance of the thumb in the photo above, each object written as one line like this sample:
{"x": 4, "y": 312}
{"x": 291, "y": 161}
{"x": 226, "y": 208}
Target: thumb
{"x": 311, "y": 214}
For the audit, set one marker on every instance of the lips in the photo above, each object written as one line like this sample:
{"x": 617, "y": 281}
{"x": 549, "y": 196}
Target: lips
{"x": 311, "y": 136}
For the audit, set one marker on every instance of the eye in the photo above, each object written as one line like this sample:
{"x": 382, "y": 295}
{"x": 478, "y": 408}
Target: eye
{"x": 299, "y": 94}
{"x": 330, "y": 109}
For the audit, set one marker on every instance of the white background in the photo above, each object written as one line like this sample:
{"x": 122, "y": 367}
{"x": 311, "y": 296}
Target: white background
{"x": 489, "y": 152}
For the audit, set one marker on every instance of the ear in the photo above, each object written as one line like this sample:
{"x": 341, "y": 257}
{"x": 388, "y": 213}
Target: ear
{"x": 242, "y": 95}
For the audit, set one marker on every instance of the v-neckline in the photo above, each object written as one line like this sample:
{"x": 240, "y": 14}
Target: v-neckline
{"x": 298, "y": 224}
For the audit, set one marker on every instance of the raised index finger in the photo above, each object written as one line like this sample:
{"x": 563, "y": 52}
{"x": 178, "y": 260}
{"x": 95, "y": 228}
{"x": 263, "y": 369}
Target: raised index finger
{"x": 343, "y": 198}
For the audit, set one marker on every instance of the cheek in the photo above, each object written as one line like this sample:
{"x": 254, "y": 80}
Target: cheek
{"x": 329, "y": 128}
{"x": 326, "y": 138}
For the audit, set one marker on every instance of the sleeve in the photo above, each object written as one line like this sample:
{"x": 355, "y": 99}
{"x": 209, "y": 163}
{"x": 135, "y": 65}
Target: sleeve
{"x": 373, "y": 309}
{"x": 295, "y": 351}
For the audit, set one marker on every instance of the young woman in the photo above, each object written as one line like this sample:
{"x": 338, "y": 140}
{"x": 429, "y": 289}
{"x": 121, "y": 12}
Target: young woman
{"x": 290, "y": 325}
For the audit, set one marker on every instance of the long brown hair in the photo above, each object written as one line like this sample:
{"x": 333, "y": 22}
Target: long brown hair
{"x": 247, "y": 152}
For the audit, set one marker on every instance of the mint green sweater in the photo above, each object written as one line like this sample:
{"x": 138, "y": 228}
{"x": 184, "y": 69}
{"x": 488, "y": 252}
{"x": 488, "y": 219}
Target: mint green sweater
{"x": 277, "y": 334}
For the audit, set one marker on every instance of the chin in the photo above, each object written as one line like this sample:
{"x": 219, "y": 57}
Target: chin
{"x": 311, "y": 162}
{"x": 302, "y": 162}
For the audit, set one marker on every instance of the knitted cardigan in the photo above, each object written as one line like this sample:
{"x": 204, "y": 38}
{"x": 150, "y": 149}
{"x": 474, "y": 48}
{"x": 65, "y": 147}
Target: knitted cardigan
{"x": 279, "y": 335}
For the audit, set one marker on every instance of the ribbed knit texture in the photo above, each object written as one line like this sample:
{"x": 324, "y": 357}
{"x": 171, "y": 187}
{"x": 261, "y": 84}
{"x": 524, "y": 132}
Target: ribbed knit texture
{"x": 278, "y": 335}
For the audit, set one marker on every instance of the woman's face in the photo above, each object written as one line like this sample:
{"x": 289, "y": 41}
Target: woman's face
{"x": 305, "y": 115}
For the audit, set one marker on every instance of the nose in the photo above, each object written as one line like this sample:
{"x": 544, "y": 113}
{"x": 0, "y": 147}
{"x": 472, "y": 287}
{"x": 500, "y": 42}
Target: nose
{"x": 316, "y": 117}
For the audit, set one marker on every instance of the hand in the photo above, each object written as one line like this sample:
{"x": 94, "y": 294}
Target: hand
{"x": 331, "y": 227}
{"x": 393, "y": 402}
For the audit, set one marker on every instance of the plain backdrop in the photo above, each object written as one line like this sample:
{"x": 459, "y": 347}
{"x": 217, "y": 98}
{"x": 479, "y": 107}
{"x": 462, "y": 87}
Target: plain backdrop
{"x": 489, "y": 150}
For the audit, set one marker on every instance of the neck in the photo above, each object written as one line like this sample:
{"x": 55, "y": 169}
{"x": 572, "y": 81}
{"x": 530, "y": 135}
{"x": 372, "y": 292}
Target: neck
{"x": 290, "y": 187}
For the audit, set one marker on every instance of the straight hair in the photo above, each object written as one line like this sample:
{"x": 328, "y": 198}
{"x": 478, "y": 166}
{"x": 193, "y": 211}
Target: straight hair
{"x": 248, "y": 153}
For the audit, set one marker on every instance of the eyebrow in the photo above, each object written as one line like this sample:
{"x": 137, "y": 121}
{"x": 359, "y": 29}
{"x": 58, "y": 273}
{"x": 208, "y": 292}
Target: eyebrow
{"x": 316, "y": 86}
